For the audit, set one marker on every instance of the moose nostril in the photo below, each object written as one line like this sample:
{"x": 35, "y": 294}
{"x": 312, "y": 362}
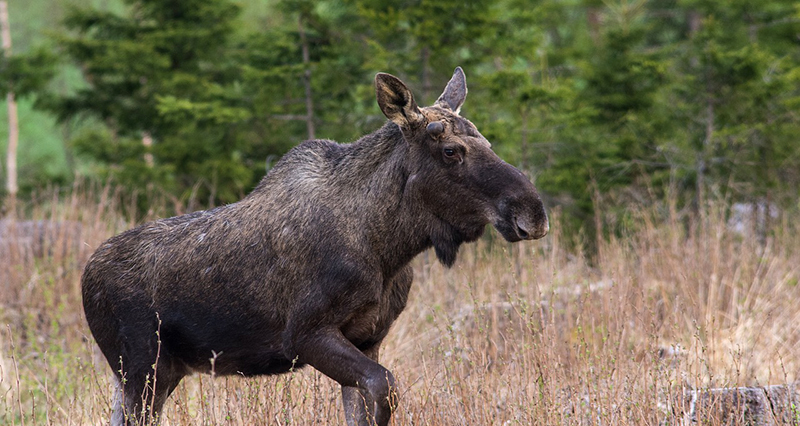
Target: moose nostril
{"x": 521, "y": 231}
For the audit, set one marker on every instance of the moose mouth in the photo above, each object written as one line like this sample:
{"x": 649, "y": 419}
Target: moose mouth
{"x": 515, "y": 229}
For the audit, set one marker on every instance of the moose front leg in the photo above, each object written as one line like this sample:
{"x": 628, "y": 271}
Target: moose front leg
{"x": 361, "y": 377}
{"x": 358, "y": 404}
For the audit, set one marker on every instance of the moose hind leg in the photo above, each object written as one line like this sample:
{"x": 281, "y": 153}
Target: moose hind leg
{"x": 117, "y": 404}
{"x": 140, "y": 395}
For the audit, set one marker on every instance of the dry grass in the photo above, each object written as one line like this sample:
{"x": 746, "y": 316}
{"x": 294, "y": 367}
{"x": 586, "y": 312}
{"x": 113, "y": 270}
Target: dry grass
{"x": 514, "y": 334}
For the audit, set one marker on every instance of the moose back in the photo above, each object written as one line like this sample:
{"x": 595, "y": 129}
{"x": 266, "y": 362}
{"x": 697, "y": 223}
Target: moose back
{"x": 312, "y": 267}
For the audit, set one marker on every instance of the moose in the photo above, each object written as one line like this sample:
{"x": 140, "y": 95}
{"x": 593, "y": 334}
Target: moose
{"x": 312, "y": 267}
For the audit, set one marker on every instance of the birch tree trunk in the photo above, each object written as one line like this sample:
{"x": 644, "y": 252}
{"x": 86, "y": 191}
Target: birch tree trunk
{"x": 147, "y": 141}
{"x": 13, "y": 124}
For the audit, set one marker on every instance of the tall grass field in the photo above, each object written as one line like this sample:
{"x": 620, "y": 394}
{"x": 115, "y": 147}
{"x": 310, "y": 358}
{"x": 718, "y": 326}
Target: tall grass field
{"x": 534, "y": 333}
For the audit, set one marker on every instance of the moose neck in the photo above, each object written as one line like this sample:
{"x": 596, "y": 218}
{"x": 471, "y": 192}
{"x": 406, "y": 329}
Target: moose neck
{"x": 398, "y": 226}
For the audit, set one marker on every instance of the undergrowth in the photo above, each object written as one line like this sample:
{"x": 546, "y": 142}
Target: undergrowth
{"x": 530, "y": 333}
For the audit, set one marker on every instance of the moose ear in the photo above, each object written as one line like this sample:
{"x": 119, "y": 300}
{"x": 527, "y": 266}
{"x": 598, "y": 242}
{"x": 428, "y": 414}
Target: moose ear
{"x": 455, "y": 92}
{"x": 396, "y": 100}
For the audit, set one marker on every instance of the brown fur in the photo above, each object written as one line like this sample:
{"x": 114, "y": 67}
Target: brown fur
{"x": 312, "y": 267}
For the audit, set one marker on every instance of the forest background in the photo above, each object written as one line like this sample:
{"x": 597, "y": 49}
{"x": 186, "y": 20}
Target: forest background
{"x": 190, "y": 102}
{"x": 661, "y": 134}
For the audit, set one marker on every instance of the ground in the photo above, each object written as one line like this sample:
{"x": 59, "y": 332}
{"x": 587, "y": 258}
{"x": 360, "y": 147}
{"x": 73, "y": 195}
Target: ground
{"x": 529, "y": 333}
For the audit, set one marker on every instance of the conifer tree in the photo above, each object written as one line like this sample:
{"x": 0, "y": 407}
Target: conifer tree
{"x": 159, "y": 75}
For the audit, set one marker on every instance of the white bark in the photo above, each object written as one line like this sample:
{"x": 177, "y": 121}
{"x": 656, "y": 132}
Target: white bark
{"x": 147, "y": 141}
{"x": 13, "y": 122}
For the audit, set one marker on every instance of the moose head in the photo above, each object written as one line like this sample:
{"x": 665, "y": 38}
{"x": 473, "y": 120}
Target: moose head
{"x": 457, "y": 176}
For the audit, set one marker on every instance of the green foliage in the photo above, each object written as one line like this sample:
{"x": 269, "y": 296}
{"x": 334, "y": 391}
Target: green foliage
{"x": 27, "y": 73}
{"x": 160, "y": 72}
{"x": 43, "y": 162}
{"x": 617, "y": 99}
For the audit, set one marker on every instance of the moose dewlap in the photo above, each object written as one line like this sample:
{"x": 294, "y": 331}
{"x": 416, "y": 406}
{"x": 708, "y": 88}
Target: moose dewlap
{"x": 312, "y": 267}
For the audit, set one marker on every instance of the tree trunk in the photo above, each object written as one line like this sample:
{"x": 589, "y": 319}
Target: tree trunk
{"x": 695, "y": 22}
{"x": 523, "y": 143}
{"x": 704, "y": 153}
{"x": 594, "y": 22}
{"x": 147, "y": 141}
{"x": 13, "y": 122}
{"x": 425, "y": 56}
{"x": 307, "y": 79}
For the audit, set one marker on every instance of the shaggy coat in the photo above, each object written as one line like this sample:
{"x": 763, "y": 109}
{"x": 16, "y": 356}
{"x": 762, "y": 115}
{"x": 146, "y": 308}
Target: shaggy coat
{"x": 312, "y": 267}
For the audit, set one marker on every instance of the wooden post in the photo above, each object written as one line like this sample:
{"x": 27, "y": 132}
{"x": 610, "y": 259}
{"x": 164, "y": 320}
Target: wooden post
{"x": 13, "y": 122}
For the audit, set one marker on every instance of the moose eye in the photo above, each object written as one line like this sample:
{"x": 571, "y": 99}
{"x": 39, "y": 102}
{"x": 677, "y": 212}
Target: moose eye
{"x": 452, "y": 155}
